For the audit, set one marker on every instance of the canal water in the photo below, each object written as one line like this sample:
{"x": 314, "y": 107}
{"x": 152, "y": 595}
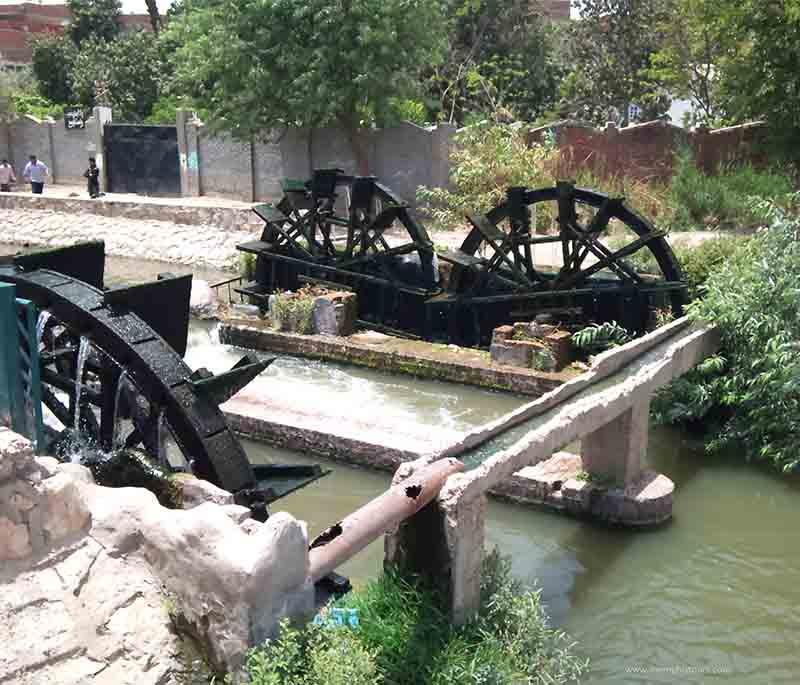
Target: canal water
{"x": 713, "y": 596}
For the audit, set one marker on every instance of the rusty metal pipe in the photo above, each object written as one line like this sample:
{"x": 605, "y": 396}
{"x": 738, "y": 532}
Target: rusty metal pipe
{"x": 348, "y": 537}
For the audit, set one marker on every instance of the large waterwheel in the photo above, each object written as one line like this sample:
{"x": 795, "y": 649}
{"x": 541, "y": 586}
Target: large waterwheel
{"x": 113, "y": 376}
{"x": 559, "y": 250}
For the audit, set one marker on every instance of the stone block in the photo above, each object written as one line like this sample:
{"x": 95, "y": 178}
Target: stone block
{"x": 511, "y": 353}
{"x": 15, "y": 540}
{"x": 196, "y": 491}
{"x": 560, "y": 345}
{"x": 335, "y": 313}
{"x": 64, "y": 510}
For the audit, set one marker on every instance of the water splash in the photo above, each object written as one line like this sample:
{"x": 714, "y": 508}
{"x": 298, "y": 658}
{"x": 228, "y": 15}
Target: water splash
{"x": 83, "y": 354}
{"x": 116, "y": 435}
{"x": 41, "y": 322}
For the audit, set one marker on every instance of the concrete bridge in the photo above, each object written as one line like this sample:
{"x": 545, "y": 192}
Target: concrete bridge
{"x": 606, "y": 409}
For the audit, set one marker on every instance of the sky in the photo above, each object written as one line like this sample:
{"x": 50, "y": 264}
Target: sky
{"x": 128, "y": 6}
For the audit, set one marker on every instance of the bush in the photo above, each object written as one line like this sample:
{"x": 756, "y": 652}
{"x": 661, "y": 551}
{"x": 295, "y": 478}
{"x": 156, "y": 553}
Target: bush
{"x": 486, "y": 160}
{"x": 404, "y": 638}
{"x": 723, "y": 200}
{"x": 748, "y": 396}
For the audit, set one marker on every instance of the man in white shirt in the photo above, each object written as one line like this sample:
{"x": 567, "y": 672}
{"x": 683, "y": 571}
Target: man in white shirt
{"x": 7, "y": 176}
{"x": 36, "y": 172}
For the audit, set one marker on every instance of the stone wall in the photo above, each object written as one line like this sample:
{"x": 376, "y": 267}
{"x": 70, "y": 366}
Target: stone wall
{"x": 646, "y": 151}
{"x": 86, "y": 552}
{"x": 65, "y": 152}
{"x": 403, "y": 157}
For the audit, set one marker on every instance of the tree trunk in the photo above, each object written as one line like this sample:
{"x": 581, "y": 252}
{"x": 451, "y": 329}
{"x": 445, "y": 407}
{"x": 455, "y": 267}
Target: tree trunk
{"x": 155, "y": 17}
{"x": 358, "y": 147}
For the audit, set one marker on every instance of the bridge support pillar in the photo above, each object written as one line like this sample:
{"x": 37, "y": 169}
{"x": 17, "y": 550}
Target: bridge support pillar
{"x": 617, "y": 450}
{"x": 444, "y": 543}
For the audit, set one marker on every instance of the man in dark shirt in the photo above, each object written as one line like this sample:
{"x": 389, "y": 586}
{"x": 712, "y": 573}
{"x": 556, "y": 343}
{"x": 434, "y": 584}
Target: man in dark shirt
{"x": 92, "y": 176}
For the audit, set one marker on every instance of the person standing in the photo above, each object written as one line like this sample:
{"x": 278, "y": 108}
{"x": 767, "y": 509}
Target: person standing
{"x": 7, "y": 176}
{"x": 92, "y": 176}
{"x": 36, "y": 172}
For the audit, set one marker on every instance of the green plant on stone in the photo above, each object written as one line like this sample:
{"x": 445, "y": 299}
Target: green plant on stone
{"x": 747, "y": 397}
{"x": 596, "y": 338}
{"x": 293, "y": 312}
{"x": 543, "y": 359}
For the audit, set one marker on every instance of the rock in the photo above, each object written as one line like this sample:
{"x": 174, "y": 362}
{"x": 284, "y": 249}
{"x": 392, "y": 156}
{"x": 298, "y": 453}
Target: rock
{"x": 15, "y": 541}
{"x": 511, "y": 353}
{"x": 247, "y": 309}
{"x": 49, "y": 466}
{"x": 236, "y": 512}
{"x": 250, "y": 526}
{"x": 15, "y": 454}
{"x": 203, "y": 300}
{"x": 64, "y": 509}
{"x": 196, "y": 491}
{"x": 78, "y": 472}
{"x": 335, "y": 313}
{"x": 371, "y": 337}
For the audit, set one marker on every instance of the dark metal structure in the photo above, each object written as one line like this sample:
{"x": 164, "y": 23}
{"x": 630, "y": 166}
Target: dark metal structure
{"x": 354, "y": 233}
{"x": 142, "y": 159}
{"x": 112, "y": 370}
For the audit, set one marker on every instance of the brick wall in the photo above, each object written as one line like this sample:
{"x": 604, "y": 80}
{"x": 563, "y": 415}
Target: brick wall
{"x": 647, "y": 151}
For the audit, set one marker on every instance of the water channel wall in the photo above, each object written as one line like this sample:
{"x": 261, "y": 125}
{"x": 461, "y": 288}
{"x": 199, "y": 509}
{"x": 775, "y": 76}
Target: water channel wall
{"x": 386, "y": 358}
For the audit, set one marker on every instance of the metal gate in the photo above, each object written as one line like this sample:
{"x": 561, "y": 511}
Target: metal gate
{"x": 142, "y": 159}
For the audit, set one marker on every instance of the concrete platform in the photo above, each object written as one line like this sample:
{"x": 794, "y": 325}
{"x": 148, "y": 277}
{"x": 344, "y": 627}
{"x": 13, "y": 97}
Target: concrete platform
{"x": 395, "y": 355}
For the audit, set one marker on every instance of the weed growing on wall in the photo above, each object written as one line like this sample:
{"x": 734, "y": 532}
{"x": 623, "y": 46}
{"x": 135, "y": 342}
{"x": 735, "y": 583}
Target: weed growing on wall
{"x": 747, "y": 397}
{"x": 403, "y": 638}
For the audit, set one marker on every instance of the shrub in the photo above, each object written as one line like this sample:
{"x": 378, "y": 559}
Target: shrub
{"x": 748, "y": 396}
{"x": 293, "y": 311}
{"x": 486, "y": 160}
{"x": 723, "y": 200}
{"x": 404, "y": 638}
{"x": 596, "y": 338}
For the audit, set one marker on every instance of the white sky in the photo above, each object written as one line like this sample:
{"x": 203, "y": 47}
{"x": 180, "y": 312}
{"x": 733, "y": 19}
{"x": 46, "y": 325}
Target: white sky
{"x": 128, "y": 6}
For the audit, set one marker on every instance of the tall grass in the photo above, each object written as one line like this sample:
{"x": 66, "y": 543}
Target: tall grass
{"x": 404, "y": 638}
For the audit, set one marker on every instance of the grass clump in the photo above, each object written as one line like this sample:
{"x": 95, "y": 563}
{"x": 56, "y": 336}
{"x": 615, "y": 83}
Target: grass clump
{"x": 723, "y": 200}
{"x": 747, "y": 397}
{"x": 293, "y": 311}
{"x": 404, "y": 638}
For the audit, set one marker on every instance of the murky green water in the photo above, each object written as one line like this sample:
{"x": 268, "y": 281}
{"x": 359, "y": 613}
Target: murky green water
{"x": 713, "y": 596}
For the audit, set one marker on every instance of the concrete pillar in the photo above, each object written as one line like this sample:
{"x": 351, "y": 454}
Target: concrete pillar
{"x": 102, "y": 116}
{"x": 188, "y": 150}
{"x": 618, "y": 449}
{"x": 441, "y": 145}
{"x": 51, "y": 151}
{"x": 444, "y": 542}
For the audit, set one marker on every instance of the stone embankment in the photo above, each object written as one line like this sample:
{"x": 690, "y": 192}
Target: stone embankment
{"x": 95, "y": 581}
{"x": 162, "y": 239}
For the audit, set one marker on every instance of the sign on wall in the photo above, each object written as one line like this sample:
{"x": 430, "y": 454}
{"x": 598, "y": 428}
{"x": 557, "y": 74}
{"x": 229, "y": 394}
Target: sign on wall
{"x": 73, "y": 118}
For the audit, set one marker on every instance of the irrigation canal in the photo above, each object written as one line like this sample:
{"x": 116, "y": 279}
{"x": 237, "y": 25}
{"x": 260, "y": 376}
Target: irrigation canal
{"x": 711, "y": 597}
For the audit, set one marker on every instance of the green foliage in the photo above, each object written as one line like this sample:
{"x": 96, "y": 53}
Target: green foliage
{"x": 688, "y": 58}
{"x": 53, "y": 59}
{"x": 486, "y": 159}
{"x": 257, "y": 64}
{"x": 130, "y": 69}
{"x": 293, "y": 312}
{"x": 610, "y": 49}
{"x": 596, "y": 338}
{"x": 37, "y": 106}
{"x": 501, "y": 57}
{"x": 247, "y": 266}
{"x": 94, "y": 19}
{"x": 747, "y": 396}
{"x": 700, "y": 261}
{"x": 404, "y": 638}
{"x": 722, "y": 200}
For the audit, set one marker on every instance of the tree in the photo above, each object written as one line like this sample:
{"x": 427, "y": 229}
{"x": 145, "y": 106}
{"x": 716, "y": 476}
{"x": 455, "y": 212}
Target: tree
{"x": 759, "y": 74}
{"x": 257, "y": 64}
{"x": 130, "y": 69}
{"x": 155, "y": 16}
{"x": 501, "y": 56}
{"x": 94, "y": 19}
{"x": 610, "y": 47}
{"x": 689, "y": 59}
{"x": 53, "y": 59}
